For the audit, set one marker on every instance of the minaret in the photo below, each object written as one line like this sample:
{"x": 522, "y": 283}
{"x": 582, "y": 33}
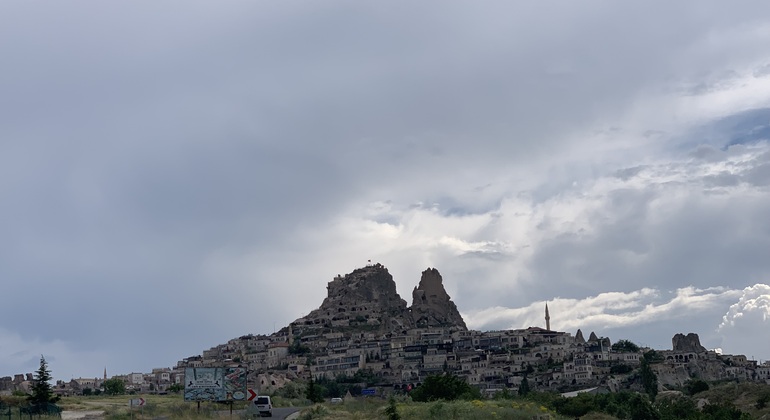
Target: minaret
{"x": 547, "y": 318}
{"x": 105, "y": 373}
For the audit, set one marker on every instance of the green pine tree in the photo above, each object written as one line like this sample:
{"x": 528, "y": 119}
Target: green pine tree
{"x": 649, "y": 380}
{"x": 391, "y": 411}
{"x": 42, "y": 392}
{"x": 524, "y": 387}
{"x": 313, "y": 393}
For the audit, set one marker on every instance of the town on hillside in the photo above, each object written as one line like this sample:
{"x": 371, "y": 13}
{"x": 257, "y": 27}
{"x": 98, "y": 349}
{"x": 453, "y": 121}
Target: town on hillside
{"x": 364, "y": 327}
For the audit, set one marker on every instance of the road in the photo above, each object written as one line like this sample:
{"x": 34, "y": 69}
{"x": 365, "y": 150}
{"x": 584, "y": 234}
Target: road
{"x": 278, "y": 413}
{"x": 284, "y": 412}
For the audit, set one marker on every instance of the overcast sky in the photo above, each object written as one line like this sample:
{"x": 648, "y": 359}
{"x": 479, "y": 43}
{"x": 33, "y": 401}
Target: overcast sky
{"x": 176, "y": 174}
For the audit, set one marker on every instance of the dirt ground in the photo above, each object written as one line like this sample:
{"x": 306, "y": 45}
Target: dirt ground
{"x": 78, "y": 415}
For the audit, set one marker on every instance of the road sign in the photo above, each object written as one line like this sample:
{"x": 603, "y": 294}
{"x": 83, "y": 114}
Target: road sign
{"x": 214, "y": 384}
{"x": 368, "y": 391}
{"x": 252, "y": 394}
{"x": 136, "y": 402}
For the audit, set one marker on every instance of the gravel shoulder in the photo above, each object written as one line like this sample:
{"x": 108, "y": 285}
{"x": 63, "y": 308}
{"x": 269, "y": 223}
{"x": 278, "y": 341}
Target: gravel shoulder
{"x": 85, "y": 414}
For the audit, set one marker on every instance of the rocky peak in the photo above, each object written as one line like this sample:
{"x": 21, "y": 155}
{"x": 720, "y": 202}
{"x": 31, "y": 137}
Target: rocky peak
{"x": 579, "y": 337}
{"x": 431, "y": 305}
{"x": 689, "y": 343}
{"x": 371, "y": 284}
{"x": 365, "y": 298}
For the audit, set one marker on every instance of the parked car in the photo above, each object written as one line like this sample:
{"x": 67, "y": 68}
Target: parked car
{"x": 336, "y": 400}
{"x": 264, "y": 405}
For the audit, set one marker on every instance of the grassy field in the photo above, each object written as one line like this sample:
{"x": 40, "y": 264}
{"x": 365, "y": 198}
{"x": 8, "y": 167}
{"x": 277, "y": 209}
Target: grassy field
{"x": 173, "y": 407}
{"x": 745, "y": 396}
{"x": 408, "y": 410}
{"x": 117, "y": 407}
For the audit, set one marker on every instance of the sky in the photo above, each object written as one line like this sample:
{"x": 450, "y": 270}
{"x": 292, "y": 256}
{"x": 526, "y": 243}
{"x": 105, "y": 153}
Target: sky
{"x": 177, "y": 174}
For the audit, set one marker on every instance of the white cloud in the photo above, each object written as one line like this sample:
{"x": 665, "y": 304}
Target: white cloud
{"x": 609, "y": 310}
{"x": 744, "y": 327}
{"x": 613, "y": 222}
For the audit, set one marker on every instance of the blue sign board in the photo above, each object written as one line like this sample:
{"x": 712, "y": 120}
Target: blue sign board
{"x": 368, "y": 391}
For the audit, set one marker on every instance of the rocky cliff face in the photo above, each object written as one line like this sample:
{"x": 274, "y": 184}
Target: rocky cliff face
{"x": 431, "y": 305}
{"x": 687, "y": 343}
{"x": 579, "y": 337}
{"x": 367, "y": 300}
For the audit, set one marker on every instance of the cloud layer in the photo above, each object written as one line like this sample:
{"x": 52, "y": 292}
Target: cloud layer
{"x": 173, "y": 175}
{"x": 651, "y": 317}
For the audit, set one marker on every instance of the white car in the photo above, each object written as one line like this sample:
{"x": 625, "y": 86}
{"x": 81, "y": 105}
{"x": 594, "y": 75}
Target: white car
{"x": 264, "y": 405}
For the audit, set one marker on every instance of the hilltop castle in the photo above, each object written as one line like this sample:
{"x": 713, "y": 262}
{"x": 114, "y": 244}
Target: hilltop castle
{"x": 363, "y": 325}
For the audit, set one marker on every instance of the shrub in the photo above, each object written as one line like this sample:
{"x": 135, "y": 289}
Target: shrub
{"x": 762, "y": 401}
{"x": 315, "y": 412}
{"x": 391, "y": 411}
{"x": 625, "y": 346}
{"x": 695, "y": 386}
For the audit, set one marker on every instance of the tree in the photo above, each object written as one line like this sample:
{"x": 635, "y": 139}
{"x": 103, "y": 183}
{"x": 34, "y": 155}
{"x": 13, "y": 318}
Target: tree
{"x": 114, "y": 386}
{"x": 724, "y": 410}
{"x": 620, "y": 369}
{"x": 42, "y": 392}
{"x": 653, "y": 356}
{"x": 625, "y": 346}
{"x": 649, "y": 380}
{"x": 291, "y": 390}
{"x": 391, "y": 411}
{"x": 330, "y": 388}
{"x": 677, "y": 408}
{"x": 505, "y": 394}
{"x": 175, "y": 388}
{"x": 366, "y": 376}
{"x": 444, "y": 387}
{"x": 524, "y": 386}
{"x": 297, "y": 348}
{"x": 313, "y": 393}
{"x": 695, "y": 386}
{"x": 641, "y": 409}
{"x": 762, "y": 401}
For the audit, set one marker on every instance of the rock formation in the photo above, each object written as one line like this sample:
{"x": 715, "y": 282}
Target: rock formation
{"x": 365, "y": 297}
{"x": 366, "y": 300}
{"x": 431, "y": 305}
{"x": 689, "y": 343}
